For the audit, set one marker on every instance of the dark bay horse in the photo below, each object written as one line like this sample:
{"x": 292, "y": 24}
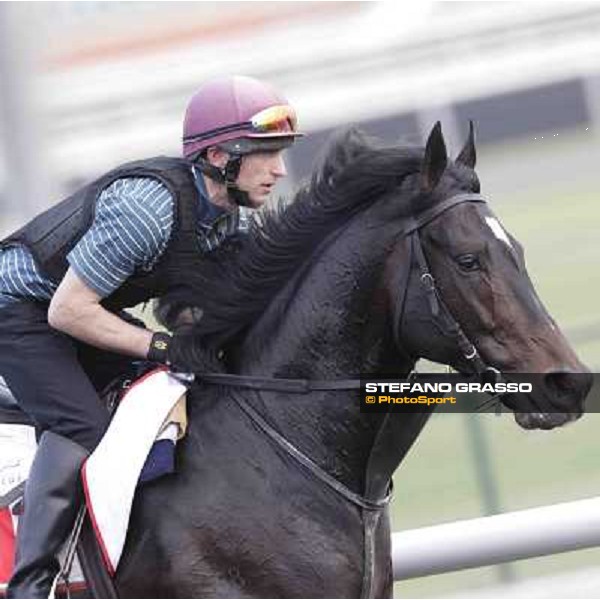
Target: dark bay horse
{"x": 387, "y": 256}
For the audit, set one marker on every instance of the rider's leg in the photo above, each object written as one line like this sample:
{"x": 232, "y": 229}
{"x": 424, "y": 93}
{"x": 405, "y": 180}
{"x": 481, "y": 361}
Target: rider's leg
{"x": 41, "y": 367}
{"x": 52, "y": 499}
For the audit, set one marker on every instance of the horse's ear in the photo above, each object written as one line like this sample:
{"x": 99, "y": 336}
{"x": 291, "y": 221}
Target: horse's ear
{"x": 468, "y": 155}
{"x": 435, "y": 159}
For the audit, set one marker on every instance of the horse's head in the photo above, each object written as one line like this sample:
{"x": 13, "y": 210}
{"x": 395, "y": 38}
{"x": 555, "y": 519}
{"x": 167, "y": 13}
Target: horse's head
{"x": 324, "y": 286}
{"x": 478, "y": 281}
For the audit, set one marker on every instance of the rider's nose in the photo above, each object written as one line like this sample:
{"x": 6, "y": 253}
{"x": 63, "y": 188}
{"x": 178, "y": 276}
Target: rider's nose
{"x": 279, "y": 169}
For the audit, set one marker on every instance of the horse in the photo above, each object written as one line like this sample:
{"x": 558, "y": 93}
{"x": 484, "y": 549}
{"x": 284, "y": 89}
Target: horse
{"x": 387, "y": 255}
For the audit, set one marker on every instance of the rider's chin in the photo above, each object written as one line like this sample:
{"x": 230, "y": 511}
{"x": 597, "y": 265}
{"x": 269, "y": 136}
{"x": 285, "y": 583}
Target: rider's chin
{"x": 541, "y": 420}
{"x": 258, "y": 197}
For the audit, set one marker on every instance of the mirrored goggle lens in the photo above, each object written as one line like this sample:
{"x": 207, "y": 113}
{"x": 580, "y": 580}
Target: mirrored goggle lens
{"x": 275, "y": 119}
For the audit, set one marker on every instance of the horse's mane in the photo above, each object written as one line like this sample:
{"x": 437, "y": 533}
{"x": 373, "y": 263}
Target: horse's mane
{"x": 233, "y": 285}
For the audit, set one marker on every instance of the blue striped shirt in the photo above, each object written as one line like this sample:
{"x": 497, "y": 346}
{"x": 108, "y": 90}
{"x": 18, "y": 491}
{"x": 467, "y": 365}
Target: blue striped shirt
{"x": 131, "y": 229}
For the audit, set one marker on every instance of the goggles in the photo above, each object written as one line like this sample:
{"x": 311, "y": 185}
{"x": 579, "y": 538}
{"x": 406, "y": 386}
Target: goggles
{"x": 275, "y": 119}
{"x": 278, "y": 120}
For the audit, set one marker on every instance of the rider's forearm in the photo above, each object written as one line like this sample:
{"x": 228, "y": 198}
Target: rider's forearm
{"x": 75, "y": 309}
{"x": 94, "y": 325}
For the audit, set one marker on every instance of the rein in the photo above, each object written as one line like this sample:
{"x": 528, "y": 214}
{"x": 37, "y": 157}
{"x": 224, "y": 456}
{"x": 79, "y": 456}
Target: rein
{"x": 280, "y": 384}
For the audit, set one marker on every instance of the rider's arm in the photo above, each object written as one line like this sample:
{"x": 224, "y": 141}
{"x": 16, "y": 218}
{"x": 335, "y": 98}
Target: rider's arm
{"x": 75, "y": 309}
{"x": 131, "y": 229}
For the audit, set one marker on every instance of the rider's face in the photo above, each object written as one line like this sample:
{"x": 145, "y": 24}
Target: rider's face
{"x": 259, "y": 172}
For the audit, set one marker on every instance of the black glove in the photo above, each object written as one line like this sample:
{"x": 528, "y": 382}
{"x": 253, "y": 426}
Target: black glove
{"x": 188, "y": 354}
{"x": 159, "y": 348}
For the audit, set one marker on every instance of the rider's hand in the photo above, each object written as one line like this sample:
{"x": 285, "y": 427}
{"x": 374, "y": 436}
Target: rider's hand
{"x": 159, "y": 348}
{"x": 188, "y": 354}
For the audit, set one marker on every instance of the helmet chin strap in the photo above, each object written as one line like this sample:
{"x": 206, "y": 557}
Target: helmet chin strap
{"x": 231, "y": 171}
{"x": 228, "y": 176}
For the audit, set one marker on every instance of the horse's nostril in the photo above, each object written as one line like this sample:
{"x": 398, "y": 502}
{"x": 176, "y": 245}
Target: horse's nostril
{"x": 559, "y": 381}
{"x": 568, "y": 386}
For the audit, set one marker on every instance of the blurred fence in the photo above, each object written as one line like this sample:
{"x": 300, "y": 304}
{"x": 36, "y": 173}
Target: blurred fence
{"x": 491, "y": 540}
{"x": 518, "y": 69}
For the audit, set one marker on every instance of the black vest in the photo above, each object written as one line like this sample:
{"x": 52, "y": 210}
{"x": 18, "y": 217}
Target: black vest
{"x": 53, "y": 234}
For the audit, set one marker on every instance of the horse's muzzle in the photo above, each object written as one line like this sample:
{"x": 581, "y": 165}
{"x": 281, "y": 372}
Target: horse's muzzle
{"x": 567, "y": 390}
{"x": 559, "y": 399}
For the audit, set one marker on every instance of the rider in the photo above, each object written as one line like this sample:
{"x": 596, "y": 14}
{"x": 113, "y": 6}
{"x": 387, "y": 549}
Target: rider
{"x": 66, "y": 276}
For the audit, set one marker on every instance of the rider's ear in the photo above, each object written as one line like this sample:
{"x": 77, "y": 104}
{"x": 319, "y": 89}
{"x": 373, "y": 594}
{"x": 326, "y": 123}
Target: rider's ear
{"x": 217, "y": 156}
{"x": 468, "y": 155}
{"x": 435, "y": 159}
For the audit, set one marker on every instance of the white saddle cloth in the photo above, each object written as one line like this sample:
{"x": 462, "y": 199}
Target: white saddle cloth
{"x": 111, "y": 473}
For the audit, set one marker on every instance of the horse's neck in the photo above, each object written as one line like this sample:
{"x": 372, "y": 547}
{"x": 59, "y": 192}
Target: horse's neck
{"x": 333, "y": 323}
{"x": 329, "y": 321}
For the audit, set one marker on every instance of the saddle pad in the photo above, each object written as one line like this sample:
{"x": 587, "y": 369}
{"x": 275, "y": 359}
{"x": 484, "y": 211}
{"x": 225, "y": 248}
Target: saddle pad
{"x": 111, "y": 473}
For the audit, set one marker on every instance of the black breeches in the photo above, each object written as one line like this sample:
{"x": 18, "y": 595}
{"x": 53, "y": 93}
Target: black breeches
{"x": 54, "y": 378}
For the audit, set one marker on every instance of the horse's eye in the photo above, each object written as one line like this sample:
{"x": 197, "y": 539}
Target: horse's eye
{"x": 468, "y": 262}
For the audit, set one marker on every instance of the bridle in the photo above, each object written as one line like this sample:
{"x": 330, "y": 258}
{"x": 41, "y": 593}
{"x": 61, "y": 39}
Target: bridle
{"x": 449, "y": 325}
{"x": 370, "y": 507}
